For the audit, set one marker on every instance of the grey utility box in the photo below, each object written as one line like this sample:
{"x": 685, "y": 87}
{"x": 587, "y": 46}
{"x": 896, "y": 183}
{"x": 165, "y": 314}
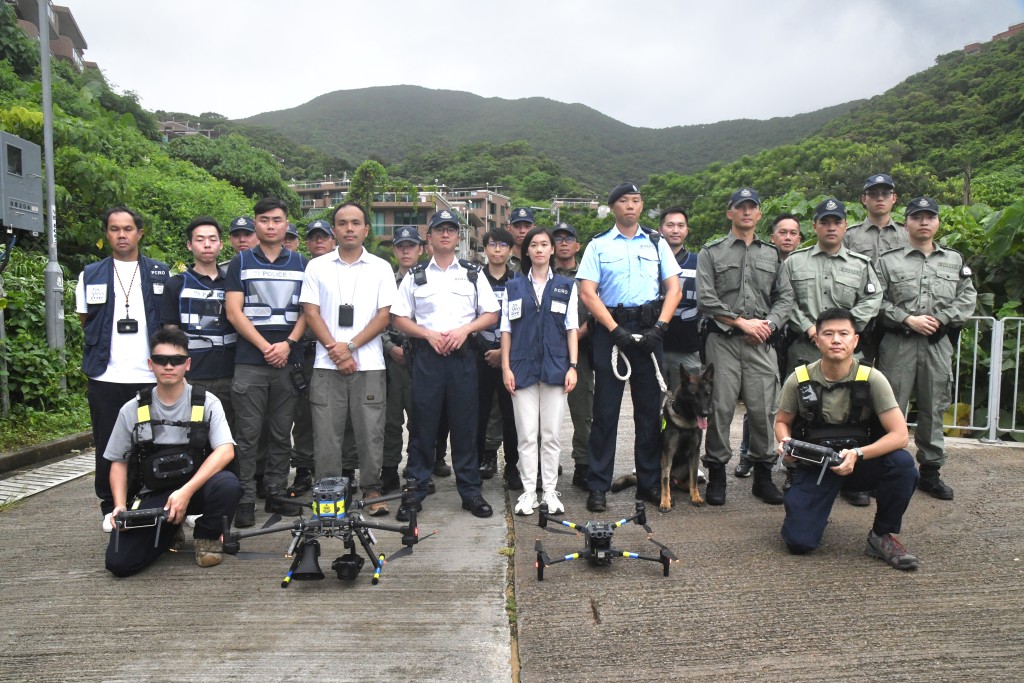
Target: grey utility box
{"x": 21, "y": 184}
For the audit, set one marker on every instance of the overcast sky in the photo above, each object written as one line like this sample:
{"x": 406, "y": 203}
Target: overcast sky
{"x": 646, "y": 63}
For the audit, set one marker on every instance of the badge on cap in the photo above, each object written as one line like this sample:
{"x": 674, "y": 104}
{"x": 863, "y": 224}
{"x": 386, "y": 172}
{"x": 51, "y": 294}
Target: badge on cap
{"x": 745, "y": 192}
{"x": 635, "y": 189}
{"x": 522, "y": 212}
{"x": 879, "y": 179}
{"x": 445, "y": 214}
{"x": 240, "y": 221}
{"x": 830, "y": 205}
{"x": 922, "y": 202}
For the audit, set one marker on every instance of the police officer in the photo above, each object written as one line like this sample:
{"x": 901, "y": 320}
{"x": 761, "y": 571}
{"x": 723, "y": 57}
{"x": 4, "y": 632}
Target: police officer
{"x": 319, "y": 241}
{"x": 291, "y": 238}
{"x": 849, "y": 407}
{"x": 262, "y": 303}
{"x": 581, "y": 398}
{"x": 242, "y": 234}
{"x": 408, "y": 248}
{"x": 682, "y": 345}
{"x": 928, "y": 297}
{"x": 174, "y": 421}
{"x": 622, "y": 272}
{"x": 118, "y": 302}
{"x": 747, "y": 297}
{"x": 497, "y": 243}
{"x": 438, "y": 306}
{"x": 879, "y": 232}
{"x": 520, "y": 224}
{"x": 193, "y": 302}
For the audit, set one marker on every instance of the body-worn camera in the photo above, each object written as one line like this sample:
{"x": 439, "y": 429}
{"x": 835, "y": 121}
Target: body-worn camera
{"x": 346, "y": 315}
{"x": 298, "y": 378}
{"x": 127, "y": 326}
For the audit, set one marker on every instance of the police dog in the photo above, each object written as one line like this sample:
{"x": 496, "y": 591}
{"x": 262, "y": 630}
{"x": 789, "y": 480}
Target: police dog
{"x": 684, "y": 417}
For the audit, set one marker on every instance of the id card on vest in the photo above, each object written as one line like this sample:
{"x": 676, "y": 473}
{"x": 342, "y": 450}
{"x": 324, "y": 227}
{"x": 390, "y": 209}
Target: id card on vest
{"x": 515, "y": 309}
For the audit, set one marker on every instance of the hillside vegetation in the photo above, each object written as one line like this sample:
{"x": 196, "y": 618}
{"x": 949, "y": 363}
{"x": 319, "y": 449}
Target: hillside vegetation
{"x": 391, "y": 123}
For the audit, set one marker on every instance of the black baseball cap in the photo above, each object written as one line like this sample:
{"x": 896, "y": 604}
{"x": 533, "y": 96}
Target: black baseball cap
{"x": 442, "y": 217}
{"x": 922, "y": 204}
{"x": 242, "y": 224}
{"x": 744, "y": 194}
{"x": 830, "y": 207}
{"x": 564, "y": 227}
{"x": 406, "y": 233}
{"x": 879, "y": 179}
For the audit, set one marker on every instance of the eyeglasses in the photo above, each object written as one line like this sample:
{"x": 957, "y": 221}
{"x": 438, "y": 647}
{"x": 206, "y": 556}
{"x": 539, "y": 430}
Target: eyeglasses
{"x": 497, "y": 245}
{"x": 879, "y": 194}
{"x": 564, "y": 239}
{"x": 445, "y": 229}
{"x": 161, "y": 360}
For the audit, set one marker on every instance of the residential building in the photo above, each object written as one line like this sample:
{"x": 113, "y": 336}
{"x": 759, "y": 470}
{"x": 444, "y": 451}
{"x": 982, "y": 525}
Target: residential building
{"x": 66, "y": 39}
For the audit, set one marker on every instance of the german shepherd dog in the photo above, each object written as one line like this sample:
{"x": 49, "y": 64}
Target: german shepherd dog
{"x": 683, "y": 420}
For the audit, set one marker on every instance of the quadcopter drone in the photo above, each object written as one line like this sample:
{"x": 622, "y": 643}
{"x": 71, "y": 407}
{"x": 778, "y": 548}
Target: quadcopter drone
{"x": 335, "y": 515}
{"x": 597, "y": 542}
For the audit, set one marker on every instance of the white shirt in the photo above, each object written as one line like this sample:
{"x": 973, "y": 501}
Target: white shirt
{"x": 128, "y": 352}
{"x": 367, "y": 284}
{"x": 572, "y": 312}
{"x": 448, "y": 299}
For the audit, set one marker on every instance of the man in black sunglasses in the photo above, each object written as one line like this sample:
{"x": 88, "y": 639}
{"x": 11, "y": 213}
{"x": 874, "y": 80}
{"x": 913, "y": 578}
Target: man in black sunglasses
{"x": 169, "y": 450}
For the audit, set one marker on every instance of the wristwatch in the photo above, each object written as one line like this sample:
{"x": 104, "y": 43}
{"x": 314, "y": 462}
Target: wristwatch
{"x": 859, "y": 452}
{"x": 291, "y": 342}
{"x": 574, "y": 366}
{"x": 351, "y": 346}
{"x": 662, "y": 325}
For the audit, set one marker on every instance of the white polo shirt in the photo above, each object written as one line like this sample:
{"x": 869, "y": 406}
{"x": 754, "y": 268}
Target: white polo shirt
{"x": 447, "y": 300}
{"x": 367, "y": 284}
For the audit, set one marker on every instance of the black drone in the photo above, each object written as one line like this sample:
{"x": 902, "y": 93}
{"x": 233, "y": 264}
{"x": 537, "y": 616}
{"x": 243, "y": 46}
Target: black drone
{"x": 335, "y": 515}
{"x": 597, "y": 542}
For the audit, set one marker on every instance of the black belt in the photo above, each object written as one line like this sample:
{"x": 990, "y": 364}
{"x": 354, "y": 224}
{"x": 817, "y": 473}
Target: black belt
{"x": 644, "y": 313}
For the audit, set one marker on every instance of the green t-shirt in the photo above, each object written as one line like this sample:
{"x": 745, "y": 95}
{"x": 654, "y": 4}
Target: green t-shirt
{"x": 835, "y": 405}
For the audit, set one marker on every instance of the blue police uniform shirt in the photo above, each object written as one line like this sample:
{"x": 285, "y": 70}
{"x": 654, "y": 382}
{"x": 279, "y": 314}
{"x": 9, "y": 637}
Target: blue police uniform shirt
{"x": 626, "y": 269}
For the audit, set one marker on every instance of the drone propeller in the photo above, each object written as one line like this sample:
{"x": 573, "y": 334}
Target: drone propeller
{"x": 274, "y": 519}
{"x": 668, "y": 552}
{"x": 557, "y": 530}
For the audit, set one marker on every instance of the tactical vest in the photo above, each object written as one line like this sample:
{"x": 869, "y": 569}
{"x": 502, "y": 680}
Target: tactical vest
{"x": 201, "y": 311}
{"x": 491, "y": 337}
{"x": 162, "y": 467}
{"x": 540, "y": 352}
{"x": 861, "y": 426}
{"x": 271, "y": 291}
{"x": 99, "y": 321}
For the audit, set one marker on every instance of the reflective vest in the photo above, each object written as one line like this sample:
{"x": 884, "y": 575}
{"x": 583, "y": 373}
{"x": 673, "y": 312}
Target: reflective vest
{"x": 491, "y": 337}
{"x": 271, "y": 291}
{"x": 539, "y": 352}
{"x": 202, "y": 316}
{"x": 861, "y": 426}
{"x": 99, "y": 321}
{"x": 167, "y": 466}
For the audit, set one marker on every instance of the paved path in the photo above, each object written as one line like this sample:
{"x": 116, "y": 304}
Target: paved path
{"x": 736, "y": 607}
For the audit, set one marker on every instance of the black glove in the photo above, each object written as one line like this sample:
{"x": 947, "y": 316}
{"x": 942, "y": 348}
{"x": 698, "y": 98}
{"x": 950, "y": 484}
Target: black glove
{"x": 651, "y": 339}
{"x": 622, "y": 338}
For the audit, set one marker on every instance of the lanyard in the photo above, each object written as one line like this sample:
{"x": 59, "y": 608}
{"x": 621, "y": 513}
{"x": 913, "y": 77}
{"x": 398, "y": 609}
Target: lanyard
{"x": 131, "y": 283}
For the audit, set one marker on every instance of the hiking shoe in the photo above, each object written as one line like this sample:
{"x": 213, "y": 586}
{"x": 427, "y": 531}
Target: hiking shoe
{"x": 527, "y": 503}
{"x": 512, "y": 479}
{"x": 931, "y": 484}
{"x": 743, "y": 468}
{"x": 715, "y": 493}
{"x": 245, "y": 515}
{"x": 488, "y": 464}
{"x": 389, "y": 480}
{"x": 764, "y": 488}
{"x": 441, "y": 468}
{"x": 891, "y": 550}
{"x": 554, "y": 502}
{"x": 302, "y": 483}
{"x": 209, "y": 552}
{"x": 579, "y": 477}
{"x": 108, "y": 522}
{"x": 375, "y": 509}
{"x": 859, "y": 499}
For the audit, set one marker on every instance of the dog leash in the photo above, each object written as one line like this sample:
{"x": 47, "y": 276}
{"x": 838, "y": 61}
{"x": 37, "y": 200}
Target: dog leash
{"x": 629, "y": 369}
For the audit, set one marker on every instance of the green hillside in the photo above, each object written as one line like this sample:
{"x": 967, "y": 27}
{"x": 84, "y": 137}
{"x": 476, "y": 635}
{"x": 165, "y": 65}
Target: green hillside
{"x": 385, "y": 123}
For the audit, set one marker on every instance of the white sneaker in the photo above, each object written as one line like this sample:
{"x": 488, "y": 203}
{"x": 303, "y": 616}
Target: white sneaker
{"x": 553, "y": 501}
{"x": 191, "y": 519}
{"x": 108, "y": 522}
{"x": 527, "y": 502}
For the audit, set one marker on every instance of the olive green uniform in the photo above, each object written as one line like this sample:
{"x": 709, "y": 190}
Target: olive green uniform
{"x": 938, "y": 284}
{"x": 581, "y": 398}
{"x": 737, "y": 280}
{"x": 873, "y": 240}
{"x": 822, "y": 281}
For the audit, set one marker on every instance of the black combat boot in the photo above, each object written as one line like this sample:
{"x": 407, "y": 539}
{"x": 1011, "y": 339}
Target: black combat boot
{"x": 764, "y": 488}
{"x": 488, "y": 464}
{"x": 715, "y": 493}
{"x": 931, "y": 484}
{"x": 579, "y": 476}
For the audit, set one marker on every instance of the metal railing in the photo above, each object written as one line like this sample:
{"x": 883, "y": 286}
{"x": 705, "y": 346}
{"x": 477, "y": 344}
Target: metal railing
{"x": 987, "y": 379}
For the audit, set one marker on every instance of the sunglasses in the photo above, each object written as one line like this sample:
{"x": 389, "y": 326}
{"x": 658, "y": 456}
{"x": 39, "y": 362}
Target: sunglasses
{"x": 161, "y": 360}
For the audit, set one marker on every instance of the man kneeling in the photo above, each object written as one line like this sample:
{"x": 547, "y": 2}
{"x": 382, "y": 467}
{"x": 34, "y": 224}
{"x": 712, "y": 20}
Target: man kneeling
{"x": 168, "y": 451}
{"x": 837, "y": 402}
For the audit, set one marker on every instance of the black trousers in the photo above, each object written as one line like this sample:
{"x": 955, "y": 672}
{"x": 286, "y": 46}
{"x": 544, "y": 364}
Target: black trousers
{"x": 446, "y": 383}
{"x": 216, "y": 499}
{"x": 490, "y": 383}
{"x": 105, "y": 402}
